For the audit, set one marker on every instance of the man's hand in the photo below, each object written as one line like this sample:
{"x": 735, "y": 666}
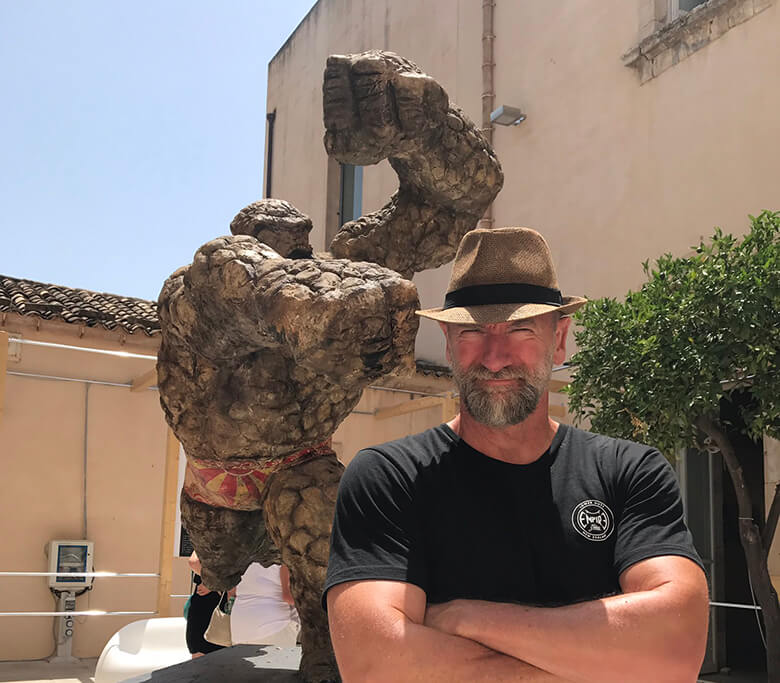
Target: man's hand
{"x": 202, "y": 589}
{"x": 443, "y": 616}
{"x": 194, "y": 562}
{"x": 655, "y": 631}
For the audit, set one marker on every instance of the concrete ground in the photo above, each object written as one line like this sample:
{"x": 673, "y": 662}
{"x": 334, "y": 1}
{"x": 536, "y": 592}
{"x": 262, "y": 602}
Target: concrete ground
{"x": 38, "y": 671}
{"x": 238, "y": 664}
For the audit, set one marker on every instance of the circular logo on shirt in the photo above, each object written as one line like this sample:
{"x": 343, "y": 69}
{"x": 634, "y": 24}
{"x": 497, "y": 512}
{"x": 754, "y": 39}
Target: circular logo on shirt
{"x": 593, "y": 520}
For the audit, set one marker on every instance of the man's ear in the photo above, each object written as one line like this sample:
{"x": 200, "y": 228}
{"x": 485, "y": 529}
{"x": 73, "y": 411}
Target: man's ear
{"x": 561, "y": 333}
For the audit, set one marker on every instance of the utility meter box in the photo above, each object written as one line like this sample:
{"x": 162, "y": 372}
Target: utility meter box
{"x": 69, "y": 557}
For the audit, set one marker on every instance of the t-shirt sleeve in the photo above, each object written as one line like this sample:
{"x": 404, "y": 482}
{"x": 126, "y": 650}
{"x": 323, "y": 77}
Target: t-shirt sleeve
{"x": 652, "y": 522}
{"x": 375, "y": 527}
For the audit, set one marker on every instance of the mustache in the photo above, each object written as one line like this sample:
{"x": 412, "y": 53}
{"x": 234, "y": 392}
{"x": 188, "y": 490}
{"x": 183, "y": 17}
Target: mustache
{"x": 503, "y": 373}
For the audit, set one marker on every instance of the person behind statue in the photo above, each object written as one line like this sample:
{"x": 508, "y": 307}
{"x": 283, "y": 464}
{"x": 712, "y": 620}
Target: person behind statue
{"x": 264, "y": 611}
{"x": 201, "y": 607}
{"x": 503, "y": 545}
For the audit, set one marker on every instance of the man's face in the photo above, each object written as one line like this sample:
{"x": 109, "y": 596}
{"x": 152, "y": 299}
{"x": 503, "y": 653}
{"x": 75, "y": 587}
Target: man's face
{"x": 502, "y": 370}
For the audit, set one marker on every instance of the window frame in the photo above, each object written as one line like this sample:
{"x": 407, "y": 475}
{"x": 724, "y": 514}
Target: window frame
{"x": 681, "y": 33}
{"x": 350, "y": 193}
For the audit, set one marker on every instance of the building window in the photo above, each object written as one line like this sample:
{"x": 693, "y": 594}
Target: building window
{"x": 679, "y": 7}
{"x": 688, "y": 5}
{"x": 351, "y": 193}
{"x": 672, "y": 30}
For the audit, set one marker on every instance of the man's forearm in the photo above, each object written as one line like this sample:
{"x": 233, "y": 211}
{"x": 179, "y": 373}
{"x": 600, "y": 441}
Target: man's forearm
{"x": 429, "y": 656}
{"x": 413, "y": 652}
{"x": 646, "y": 634}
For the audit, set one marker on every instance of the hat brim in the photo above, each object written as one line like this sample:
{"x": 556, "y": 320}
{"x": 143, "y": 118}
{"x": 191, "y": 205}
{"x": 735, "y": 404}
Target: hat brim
{"x": 491, "y": 314}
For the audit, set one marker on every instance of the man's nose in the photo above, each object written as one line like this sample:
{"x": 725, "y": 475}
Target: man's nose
{"x": 496, "y": 354}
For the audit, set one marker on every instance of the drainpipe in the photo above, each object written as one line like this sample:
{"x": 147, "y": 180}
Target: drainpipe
{"x": 488, "y": 91}
{"x": 270, "y": 117}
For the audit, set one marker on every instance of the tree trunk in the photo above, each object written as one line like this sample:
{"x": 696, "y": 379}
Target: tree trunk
{"x": 753, "y": 545}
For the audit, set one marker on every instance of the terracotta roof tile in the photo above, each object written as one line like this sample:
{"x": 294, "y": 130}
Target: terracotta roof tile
{"x": 78, "y": 306}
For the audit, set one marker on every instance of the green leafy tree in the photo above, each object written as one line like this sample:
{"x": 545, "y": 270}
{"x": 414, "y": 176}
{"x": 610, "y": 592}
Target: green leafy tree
{"x": 656, "y": 367}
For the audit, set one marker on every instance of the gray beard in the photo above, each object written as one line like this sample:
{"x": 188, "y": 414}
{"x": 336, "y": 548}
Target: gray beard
{"x": 508, "y": 406}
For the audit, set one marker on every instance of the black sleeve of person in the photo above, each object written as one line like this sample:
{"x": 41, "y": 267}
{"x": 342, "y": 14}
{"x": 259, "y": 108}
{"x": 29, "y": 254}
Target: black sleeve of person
{"x": 375, "y": 528}
{"x": 652, "y": 522}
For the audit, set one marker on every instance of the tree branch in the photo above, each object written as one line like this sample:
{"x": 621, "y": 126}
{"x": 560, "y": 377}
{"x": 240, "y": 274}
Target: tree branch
{"x": 771, "y": 521}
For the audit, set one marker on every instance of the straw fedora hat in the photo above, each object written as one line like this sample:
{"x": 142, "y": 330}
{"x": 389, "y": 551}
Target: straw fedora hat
{"x": 500, "y": 275}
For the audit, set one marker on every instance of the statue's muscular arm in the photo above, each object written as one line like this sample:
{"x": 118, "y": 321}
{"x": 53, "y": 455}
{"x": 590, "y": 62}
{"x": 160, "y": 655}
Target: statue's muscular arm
{"x": 379, "y": 105}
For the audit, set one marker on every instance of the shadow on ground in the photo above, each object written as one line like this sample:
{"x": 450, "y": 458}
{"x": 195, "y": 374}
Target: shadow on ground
{"x": 237, "y": 664}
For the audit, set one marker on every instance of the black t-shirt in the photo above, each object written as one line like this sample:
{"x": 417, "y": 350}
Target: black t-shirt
{"x": 432, "y": 511}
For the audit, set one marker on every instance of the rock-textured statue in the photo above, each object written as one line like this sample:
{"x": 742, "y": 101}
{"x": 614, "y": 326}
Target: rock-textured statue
{"x": 267, "y": 347}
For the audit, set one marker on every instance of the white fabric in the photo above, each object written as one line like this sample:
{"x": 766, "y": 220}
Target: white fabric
{"x": 259, "y": 614}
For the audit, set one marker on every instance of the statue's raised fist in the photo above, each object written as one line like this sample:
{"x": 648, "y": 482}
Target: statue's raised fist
{"x": 378, "y": 105}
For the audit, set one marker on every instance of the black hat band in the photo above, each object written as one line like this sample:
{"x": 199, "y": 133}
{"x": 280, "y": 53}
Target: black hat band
{"x": 508, "y": 293}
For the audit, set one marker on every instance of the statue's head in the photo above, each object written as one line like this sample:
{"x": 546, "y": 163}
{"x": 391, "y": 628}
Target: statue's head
{"x": 276, "y": 223}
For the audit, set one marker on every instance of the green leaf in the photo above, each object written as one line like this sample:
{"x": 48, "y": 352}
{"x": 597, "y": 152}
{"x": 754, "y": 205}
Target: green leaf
{"x": 648, "y": 366}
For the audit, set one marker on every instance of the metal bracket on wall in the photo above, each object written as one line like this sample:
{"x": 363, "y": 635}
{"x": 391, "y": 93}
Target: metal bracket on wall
{"x": 145, "y": 380}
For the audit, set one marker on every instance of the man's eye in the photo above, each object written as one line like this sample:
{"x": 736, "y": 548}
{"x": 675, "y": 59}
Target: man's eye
{"x": 471, "y": 330}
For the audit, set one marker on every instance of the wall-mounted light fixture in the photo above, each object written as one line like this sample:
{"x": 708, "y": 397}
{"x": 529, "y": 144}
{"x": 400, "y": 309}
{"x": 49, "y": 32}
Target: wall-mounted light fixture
{"x": 507, "y": 116}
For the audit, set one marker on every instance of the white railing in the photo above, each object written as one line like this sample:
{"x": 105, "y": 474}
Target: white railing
{"x": 89, "y": 612}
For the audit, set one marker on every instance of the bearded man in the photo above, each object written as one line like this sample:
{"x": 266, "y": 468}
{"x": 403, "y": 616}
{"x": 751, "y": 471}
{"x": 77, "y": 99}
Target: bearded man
{"x": 503, "y": 546}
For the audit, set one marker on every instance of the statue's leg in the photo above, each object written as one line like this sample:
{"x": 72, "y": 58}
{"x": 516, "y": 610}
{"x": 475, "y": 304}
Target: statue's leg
{"x": 299, "y": 515}
{"x": 227, "y": 541}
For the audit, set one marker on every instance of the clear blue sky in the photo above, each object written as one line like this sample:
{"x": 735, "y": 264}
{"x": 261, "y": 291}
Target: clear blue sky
{"x": 130, "y": 132}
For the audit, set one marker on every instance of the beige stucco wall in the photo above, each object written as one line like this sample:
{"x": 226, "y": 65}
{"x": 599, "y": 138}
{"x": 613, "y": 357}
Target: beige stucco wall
{"x": 48, "y": 429}
{"x": 42, "y": 448}
{"x": 614, "y": 172}
{"x": 611, "y": 171}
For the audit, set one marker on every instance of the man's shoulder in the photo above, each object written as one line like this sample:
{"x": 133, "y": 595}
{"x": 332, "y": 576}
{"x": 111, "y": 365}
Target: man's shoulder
{"x": 417, "y": 448}
{"x": 608, "y": 449}
{"x": 583, "y": 436}
{"x": 408, "y": 454}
